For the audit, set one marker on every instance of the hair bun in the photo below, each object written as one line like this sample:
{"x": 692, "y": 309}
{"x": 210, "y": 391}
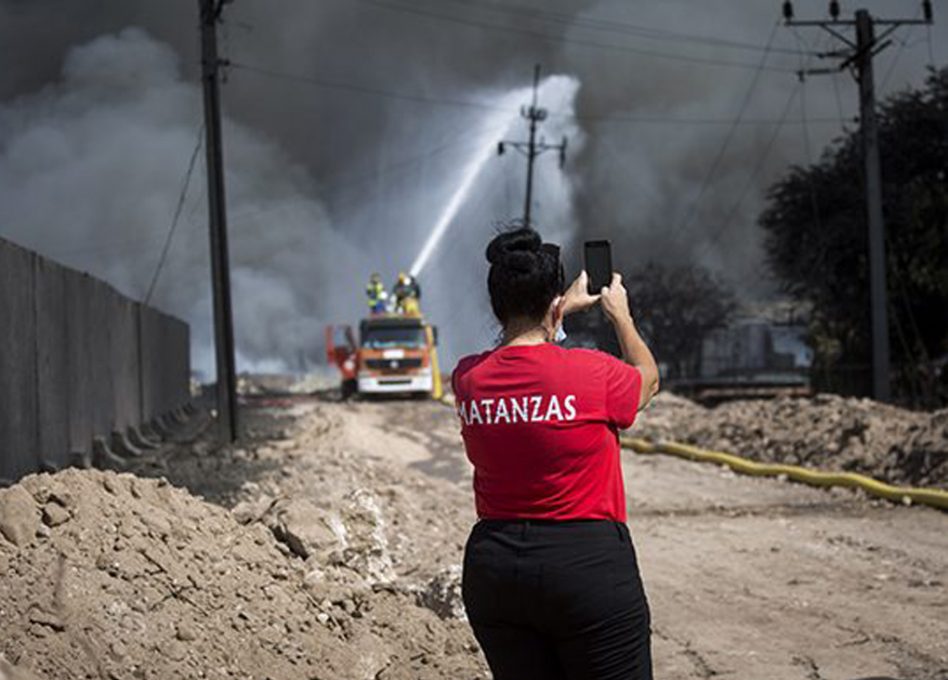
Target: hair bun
{"x": 517, "y": 249}
{"x": 524, "y": 277}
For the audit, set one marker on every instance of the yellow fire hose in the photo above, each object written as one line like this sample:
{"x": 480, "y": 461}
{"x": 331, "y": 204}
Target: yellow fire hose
{"x": 437, "y": 388}
{"x": 935, "y": 498}
{"x": 905, "y": 494}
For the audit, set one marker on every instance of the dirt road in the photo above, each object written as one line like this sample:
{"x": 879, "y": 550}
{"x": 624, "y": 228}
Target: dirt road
{"x": 748, "y": 578}
{"x": 338, "y": 559}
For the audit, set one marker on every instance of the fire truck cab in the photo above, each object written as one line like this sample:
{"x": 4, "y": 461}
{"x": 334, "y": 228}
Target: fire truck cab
{"x": 395, "y": 354}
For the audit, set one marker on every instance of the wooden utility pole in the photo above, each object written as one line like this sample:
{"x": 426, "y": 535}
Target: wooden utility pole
{"x": 532, "y": 148}
{"x": 858, "y": 54}
{"x": 220, "y": 262}
{"x": 869, "y": 128}
{"x": 534, "y": 114}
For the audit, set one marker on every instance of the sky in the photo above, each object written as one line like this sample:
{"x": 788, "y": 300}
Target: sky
{"x": 350, "y": 126}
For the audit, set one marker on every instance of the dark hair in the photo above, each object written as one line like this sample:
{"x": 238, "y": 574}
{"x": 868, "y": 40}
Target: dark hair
{"x": 525, "y": 274}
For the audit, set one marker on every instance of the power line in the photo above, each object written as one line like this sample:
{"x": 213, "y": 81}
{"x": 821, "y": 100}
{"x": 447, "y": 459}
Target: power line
{"x": 800, "y": 89}
{"x": 177, "y": 214}
{"x": 807, "y": 148}
{"x": 364, "y": 89}
{"x": 811, "y": 188}
{"x": 669, "y": 120}
{"x": 347, "y": 182}
{"x": 131, "y": 246}
{"x": 859, "y": 53}
{"x": 834, "y": 75}
{"x": 616, "y": 26}
{"x": 839, "y": 100}
{"x": 112, "y": 246}
{"x": 712, "y": 171}
{"x": 755, "y": 172}
{"x": 895, "y": 60}
{"x": 892, "y": 65}
{"x": 475, "y": 104}
{"x": 903, "y": 43}
{"x": 571, "y": 41}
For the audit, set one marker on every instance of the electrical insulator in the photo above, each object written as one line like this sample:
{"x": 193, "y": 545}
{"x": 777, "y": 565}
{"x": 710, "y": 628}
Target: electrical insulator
{"x": 787, "y": 10}
{"x": 834, "y": 9}
{"x": 500, "y": 148}
{"x": 927, "y": 10}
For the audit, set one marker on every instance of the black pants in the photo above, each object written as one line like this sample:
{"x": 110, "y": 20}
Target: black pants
{"x": 557, "y": 600}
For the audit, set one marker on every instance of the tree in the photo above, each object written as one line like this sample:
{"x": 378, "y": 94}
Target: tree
{"x": 676, "y": 308}
{"x": 816, "y": 243}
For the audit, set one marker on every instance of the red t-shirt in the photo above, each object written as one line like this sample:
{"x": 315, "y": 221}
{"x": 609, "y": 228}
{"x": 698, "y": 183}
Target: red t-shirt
{"x": 540, "y": 425}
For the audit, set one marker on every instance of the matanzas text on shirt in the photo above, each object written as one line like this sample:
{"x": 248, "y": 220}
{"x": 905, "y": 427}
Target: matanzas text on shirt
{"x": 535, "y": 408}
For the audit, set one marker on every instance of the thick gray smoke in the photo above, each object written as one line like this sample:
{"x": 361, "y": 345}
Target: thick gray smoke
{"x": 92, "y": 165}
{"x": 345, "y": 170}
{"x": 122, "y": 113}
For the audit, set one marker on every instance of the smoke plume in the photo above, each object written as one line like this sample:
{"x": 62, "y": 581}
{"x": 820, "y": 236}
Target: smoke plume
{"x": 348, "y": 123}
{"x": 92, "y": 165}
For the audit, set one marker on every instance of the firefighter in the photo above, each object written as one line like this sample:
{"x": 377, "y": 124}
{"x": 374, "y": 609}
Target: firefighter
{"x": 376, "y": 294}
{"x": 407, "y": 294}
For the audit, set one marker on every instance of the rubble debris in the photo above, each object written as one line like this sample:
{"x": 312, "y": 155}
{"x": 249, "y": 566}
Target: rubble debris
{"x": 306, "y": 529}
{"x": 825, "y": 431}
{"x": 155, "y": 568}
{"x": 10, "y": 672}
{"x": 315, "y": 572}
{"x": 442, "y": 594}
{"x": 141, "y": 577}
{"x": 55, "y": 514}
{"x": 19, "y": 516}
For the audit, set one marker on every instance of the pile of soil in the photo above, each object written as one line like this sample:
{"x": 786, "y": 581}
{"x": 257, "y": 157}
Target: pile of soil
{"x": 825, "y": 431}
{"x": 316, "y": 477}
{"x": 120, "y": 576}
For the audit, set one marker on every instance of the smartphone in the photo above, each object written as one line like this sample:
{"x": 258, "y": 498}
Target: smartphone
{"x": 598, "y": 265}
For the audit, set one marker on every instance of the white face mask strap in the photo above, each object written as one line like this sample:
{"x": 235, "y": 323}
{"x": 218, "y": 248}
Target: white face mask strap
{"x": 557, "y": 334}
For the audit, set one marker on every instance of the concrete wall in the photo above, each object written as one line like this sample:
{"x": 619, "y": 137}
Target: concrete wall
{"x": 165, "y": 364}
{"x": 124, "y": 351}
{"x": 18, "y": 397}
{"x": 52, "y": 359}
{"x": 77, "y": 360}
{"x": 79, "y": 352}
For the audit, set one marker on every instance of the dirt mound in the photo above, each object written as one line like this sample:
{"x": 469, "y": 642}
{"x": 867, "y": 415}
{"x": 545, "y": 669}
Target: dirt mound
{"x": 826, "y": 431}
{"x": 112, "y": 575}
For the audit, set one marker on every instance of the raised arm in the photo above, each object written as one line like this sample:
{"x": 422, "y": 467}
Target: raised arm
{"x": 615, "y": 304}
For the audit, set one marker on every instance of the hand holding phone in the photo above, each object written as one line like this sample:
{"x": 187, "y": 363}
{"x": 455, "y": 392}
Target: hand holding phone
{"x": 598, "y": 257}
{"x": 615, "y": 301}
{"x": 577, "y": 297}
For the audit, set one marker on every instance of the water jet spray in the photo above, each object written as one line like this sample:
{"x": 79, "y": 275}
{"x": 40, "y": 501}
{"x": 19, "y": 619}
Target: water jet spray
{"x": 562, "y": 88}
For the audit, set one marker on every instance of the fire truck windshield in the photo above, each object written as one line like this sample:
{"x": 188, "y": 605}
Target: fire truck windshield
{"x": 393, "y": 336}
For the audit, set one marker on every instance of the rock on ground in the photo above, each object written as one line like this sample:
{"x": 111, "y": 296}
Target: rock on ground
{"x": 19, "y": 517}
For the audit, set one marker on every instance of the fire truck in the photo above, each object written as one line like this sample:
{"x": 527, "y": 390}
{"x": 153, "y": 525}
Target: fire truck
{"x": 394, "y": 353}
